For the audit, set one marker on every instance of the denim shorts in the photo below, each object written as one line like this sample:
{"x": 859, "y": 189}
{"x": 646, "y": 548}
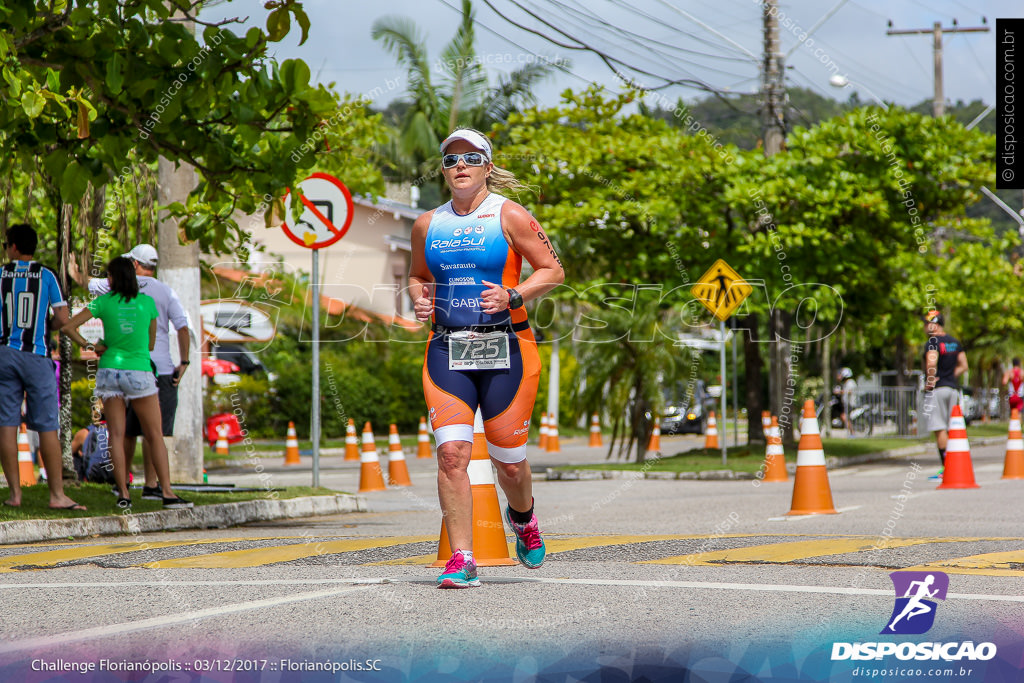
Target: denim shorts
{"x": 127, "y": 384}
{"x": 28, "y": 376}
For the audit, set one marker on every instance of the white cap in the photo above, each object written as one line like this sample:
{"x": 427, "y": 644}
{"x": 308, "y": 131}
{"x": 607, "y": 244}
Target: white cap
{"x": 143, "y": 254}
{"x": 470, "y": 136}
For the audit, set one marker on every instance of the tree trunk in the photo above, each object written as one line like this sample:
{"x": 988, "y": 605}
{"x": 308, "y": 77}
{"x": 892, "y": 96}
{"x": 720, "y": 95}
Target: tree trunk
{"x": 179, "y": 269}
{"x": 753, "y": 366}
{"x": 783, "y": 395}
{"x": 65, "y": 212}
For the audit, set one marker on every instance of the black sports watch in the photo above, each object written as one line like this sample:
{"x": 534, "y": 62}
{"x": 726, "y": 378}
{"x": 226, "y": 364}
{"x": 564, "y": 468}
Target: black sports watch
{"x": 515, "y": 299}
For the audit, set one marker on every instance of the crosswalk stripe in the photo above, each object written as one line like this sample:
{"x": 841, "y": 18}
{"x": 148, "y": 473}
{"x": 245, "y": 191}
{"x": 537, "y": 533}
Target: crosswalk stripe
{"x": 562, "y": 545}
{"x": 258, "y": 557}
{"x": 90, "y": 634}
{"x": 781, "y": 553}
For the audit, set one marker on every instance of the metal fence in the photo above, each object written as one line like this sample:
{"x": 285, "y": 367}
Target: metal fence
{"x": 894, "y": 411}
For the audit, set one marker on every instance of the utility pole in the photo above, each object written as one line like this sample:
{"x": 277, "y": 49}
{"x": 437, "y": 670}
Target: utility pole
{"x": 773, "y": 94}
{"x": 938, "y": 99}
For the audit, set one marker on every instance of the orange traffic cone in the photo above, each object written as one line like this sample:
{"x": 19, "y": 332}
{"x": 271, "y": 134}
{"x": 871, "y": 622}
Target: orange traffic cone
{"x": 766, "y": 422}
{"x": 1013, "y": 468}
{"x": 291, "y": 446}
{"x": 811, "y": 492}
{"x": 957, "y": 471}
{"x": 26, "y": 472}
{"x": 351, "y": 443}
{"x": 552, "y": 444}
{"x": 490, "y": 549}
{"x": 595, "y": 432}
{"x": 370, "y": 476}
{"x": 423, "y": 440}
{"x": 654, "y": 445}
{"x": 398, "y": 471}
{"x": 543, "y": 443}
{"x": 222, "y": 439}
{"x": 711, "y": 435}
{"x": 774, "y": 456}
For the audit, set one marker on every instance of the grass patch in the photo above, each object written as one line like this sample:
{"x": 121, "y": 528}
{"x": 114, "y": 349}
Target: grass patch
{"x": 743, "y": 459}
{"x": 35, "y": 500}
{"x": 988, "y": 429}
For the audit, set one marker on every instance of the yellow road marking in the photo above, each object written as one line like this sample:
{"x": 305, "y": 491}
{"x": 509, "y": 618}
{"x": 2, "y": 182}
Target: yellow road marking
{"x": 561, "y": 545}
{"x": 781, "y": 553}
{"x": 54, "y": 557}
{"x": 258, "y": 557}
{"x": 987, "y": 564}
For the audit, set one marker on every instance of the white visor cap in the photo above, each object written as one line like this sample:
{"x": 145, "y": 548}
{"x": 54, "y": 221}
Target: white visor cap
{"x": 472, "y": 137}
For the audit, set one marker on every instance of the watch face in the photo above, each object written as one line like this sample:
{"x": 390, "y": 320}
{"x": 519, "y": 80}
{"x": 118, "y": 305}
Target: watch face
{"x": 515, "y": 299}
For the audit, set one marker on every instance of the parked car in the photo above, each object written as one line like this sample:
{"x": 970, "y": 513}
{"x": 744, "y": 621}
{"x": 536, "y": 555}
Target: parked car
{"x": 687, "y": 414}
{"x": 970, "y": 406}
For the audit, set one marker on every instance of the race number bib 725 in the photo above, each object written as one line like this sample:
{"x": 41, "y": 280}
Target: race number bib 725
{"x": 468, "y": 350}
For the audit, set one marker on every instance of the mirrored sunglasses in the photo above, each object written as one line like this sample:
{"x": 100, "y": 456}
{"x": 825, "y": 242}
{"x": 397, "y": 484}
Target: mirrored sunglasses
{"x": 471, "y": 159}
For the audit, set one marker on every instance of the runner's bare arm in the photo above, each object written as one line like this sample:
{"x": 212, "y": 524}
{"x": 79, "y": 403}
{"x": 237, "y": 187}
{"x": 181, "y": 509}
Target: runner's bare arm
{"x": 420, "y": 277}
{"x": 527, "y": 238}
{"x": 961, "y": 364}
{"x": 931, "y": 362}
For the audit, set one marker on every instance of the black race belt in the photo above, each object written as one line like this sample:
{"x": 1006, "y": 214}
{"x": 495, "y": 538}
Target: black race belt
{"x": 437, "y": 328}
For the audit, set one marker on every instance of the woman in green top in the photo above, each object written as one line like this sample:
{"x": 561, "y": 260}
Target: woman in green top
{"x": 125, "y": 372}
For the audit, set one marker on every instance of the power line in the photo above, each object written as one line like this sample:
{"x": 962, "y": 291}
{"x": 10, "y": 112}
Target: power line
{"x": 609, "y": 60}
{"x": 674, "y": 63}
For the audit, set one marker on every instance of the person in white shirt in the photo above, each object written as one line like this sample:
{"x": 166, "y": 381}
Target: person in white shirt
{"x": 171, "y": 312}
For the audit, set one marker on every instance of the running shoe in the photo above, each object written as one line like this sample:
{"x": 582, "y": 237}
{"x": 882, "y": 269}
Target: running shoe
{"x": 529, "y": 545}
{"x": 938, "y": 475}
{"x": 152, "y": 493}
{"x": 458, "y": 573}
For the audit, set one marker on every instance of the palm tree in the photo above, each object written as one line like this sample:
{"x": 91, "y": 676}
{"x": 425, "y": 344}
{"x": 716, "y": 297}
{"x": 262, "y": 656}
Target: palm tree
{"x": 456, "y": 94}
{"x": 625, "y": 376}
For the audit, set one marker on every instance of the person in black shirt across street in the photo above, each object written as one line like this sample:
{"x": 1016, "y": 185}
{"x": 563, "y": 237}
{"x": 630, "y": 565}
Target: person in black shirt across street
{"x": 944, "y": 362}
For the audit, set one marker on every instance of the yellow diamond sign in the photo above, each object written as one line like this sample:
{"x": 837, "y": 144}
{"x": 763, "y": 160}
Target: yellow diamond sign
{"x": 721, "y": 290}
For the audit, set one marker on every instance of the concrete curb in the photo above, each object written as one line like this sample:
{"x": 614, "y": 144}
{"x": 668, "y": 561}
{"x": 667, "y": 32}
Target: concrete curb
{"x": 724, "y": 475}
{"x": 215, "y": 516}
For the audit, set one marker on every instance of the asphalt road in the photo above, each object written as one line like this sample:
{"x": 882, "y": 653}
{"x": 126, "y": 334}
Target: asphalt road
{"x": 658, "y": 579}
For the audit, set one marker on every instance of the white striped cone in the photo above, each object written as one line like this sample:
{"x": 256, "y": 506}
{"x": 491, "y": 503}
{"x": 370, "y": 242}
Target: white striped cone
{"x": 398, "y": 471}
{"x": 351, "y": 442}
{"x": 766, "y": 421}
{"x": 423, "y": 440}
{"x": 595, "y": 432}
{"x": 1013, "y": 467}
{"x": 711, "y": 435}
{"x": 490, "y": 548}
{"x": 222, "y": 439}
{"x": 26, "y": 470}
{"x": 774, "y": 456}
{"x": 291, "y": 446}
{"x": 812, "y": 494}
{"x": 543, "y": 443}
{"x": 958, "y": 472}
{"x": 371, "y": 478}
{"x": 654, "y": 445}
{"x": 552, "y": 441}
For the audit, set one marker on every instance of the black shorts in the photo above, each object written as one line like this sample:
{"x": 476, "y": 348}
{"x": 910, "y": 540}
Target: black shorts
{"x": 167, "y": 394}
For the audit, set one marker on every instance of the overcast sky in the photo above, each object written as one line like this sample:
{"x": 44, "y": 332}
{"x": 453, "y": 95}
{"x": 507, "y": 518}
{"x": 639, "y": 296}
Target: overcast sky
{"x": 852, "y": 41}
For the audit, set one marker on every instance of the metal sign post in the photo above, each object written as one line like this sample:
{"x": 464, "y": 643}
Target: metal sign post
{"x": 722, "y": 290}
{"x": 326, "y": 217}
{"x": 314, "y": 429}
{"x": 721, "y": 356}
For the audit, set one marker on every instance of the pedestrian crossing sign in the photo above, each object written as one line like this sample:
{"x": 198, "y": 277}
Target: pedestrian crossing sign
{"x": 721, "y": 290}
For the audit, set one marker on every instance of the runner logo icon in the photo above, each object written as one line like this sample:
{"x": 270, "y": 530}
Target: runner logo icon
{"x": 914, "y": 612}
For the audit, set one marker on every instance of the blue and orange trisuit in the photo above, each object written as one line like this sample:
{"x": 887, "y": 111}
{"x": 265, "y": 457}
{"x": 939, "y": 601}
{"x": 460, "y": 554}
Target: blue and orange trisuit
{"x": 461, "y": 252}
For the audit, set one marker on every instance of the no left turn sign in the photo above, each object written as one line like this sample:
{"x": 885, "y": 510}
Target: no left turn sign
{"x": 327, "y": 212}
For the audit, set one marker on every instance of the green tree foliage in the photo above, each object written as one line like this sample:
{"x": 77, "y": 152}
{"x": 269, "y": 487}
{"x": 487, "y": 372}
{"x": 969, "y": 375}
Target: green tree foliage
{"x": 91, "y": 87}
{"x": 453, "y": 91}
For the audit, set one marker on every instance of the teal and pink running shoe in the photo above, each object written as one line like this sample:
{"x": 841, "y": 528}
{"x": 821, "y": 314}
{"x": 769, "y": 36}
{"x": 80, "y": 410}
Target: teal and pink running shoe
{"x": 529, "y": 545}
{"x": 458, "y": 573}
